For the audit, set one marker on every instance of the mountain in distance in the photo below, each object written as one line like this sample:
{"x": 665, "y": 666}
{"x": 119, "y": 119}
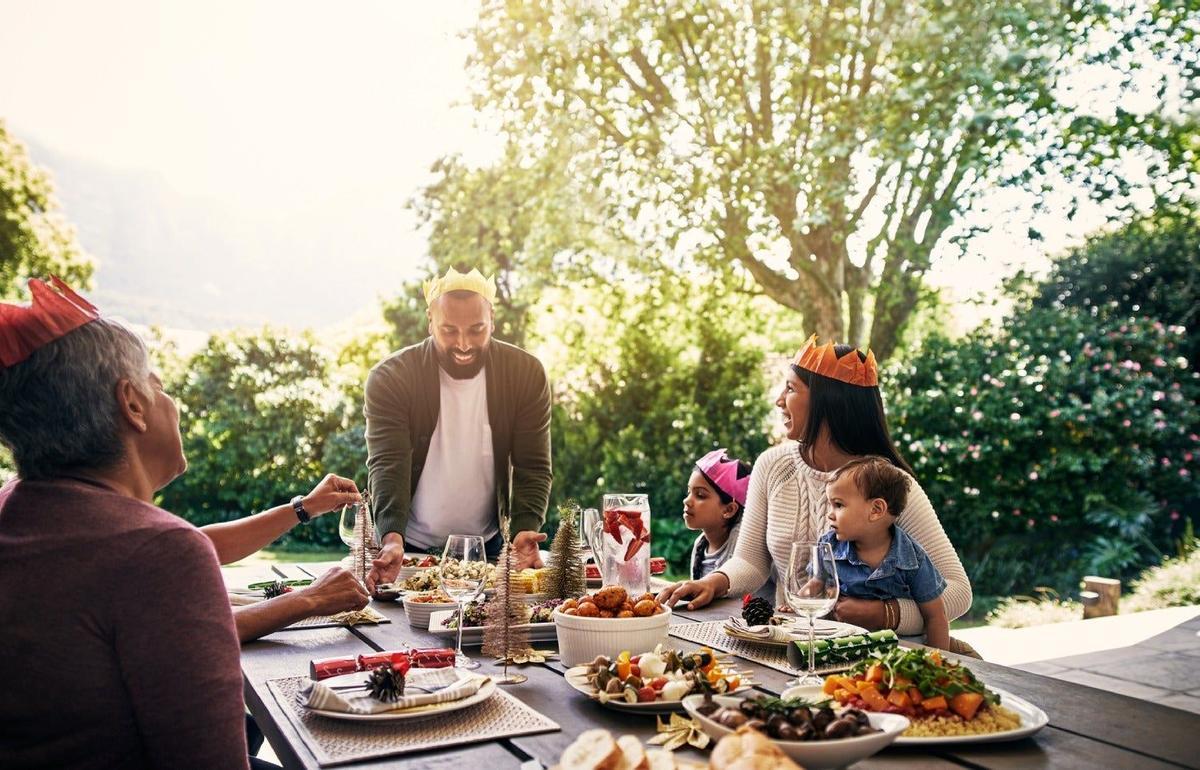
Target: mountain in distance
{"x": 194, "y": 264}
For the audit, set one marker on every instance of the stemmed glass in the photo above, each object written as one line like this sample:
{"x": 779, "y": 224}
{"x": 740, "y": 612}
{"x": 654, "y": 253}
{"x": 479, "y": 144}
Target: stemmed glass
{"x": 590, "y": 516}
{"x": 811, "y": 587}
{"x": 346, "y": 523}
{"x": 461, "y": 551}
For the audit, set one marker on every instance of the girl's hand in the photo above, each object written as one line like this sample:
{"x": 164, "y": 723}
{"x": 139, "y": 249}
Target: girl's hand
{"x": 701, "y": 592}
{"x": 868, "y": 613}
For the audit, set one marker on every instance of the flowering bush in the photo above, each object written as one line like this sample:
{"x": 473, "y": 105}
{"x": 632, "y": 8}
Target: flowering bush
{"x": 1174, "y": 583}
{"x": 1055, "y": 446}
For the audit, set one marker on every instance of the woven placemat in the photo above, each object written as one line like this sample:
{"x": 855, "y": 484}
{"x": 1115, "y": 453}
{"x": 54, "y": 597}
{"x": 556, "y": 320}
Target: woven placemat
{"x": 336, "y": 741}
{"x": 711, "y": 634}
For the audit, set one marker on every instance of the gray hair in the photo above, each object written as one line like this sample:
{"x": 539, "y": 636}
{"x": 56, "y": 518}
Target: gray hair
{"x": 58, "y": 408}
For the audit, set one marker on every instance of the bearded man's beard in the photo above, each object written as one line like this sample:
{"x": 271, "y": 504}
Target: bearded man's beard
{"x": 457, "y": 370}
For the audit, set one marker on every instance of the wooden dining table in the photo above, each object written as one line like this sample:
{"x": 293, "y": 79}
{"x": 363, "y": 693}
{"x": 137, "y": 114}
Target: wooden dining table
{"x": 1088, "y": 728}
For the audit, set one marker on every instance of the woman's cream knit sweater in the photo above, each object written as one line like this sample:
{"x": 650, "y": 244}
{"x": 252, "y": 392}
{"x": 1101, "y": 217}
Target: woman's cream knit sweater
{"x": 786, "y": 503}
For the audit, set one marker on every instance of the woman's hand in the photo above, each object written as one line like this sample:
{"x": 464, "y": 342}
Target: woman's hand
{"x": 868, "y": 613}
{"x": 701, "y": 591}
{"x": 331, "y": 493}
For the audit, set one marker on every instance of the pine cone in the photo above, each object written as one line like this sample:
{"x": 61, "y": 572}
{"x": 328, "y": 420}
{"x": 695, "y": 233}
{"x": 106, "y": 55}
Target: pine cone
{"x": 386, "y": 684}
{"x": 278, "y": 588}
{"x": 756, "y": 611}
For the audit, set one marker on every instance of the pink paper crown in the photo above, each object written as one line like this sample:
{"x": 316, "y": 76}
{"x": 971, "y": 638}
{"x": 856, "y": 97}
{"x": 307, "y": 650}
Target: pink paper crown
{"x": 723, "y": 472}
{"x": 49, "y": 316}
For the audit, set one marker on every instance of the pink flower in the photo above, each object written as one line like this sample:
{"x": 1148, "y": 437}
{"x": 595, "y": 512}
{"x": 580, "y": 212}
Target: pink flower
{"x": 1107, "y": 367}
{"x": 977, "y": 415}
{"x": 1166, "y": 462}
{"x": 1033, "y": 476}
{"x": 1055, "y": 412}
{"x": 1187, "y": 457}
{"x": 1184, "y": 473}
{"x": 1126, "y": 423}
{"x": 1158, "y": 361}
{"x": 1016, "y": 511}
{"x": 1029, "y": 522}
{"x": 1053, "y": 517}
{"x": 1174, "y": 515}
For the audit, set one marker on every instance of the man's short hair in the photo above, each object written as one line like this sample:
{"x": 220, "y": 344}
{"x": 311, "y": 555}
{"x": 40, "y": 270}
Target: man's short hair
{"x": 58, "y": 408}
{"x": 876, "y": 477}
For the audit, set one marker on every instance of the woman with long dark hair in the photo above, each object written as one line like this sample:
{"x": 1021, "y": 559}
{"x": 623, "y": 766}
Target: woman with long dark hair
{"x": 833, "y": 413}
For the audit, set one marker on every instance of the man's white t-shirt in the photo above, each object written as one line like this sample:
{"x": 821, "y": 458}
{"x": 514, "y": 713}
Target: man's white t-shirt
{"x": 457, "y": 491}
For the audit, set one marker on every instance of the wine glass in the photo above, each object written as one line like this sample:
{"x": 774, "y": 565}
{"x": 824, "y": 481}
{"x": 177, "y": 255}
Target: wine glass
{"x": 590, "y": 517}
{"x": 460, "y": 553}
{"x": 811, "y": 587}
{"x": 346, "y": 523}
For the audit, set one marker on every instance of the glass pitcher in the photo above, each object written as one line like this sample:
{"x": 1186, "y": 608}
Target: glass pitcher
{"x": 620, "y": 540}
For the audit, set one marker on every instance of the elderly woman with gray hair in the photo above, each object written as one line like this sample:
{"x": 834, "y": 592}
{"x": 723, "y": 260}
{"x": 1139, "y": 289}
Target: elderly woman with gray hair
{"x": 119, "y": 643}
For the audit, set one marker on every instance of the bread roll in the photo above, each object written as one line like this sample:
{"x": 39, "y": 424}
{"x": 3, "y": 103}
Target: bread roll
{"x": 748, "y": 749}
{"x": 633, "y": 756}
{"x": 592, "y": 750}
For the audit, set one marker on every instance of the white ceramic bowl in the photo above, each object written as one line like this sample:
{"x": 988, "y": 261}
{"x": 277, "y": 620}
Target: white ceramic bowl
{"x": 418, "y": 612}
{"x": 813, "y": 755}
{"x": 580, "y": 639}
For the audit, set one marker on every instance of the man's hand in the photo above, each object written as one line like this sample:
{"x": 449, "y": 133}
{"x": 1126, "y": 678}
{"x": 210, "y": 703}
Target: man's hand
{"x": 868, "y": 613}
{"x": 331, "y": 493}
{"x": 386, "y": 565}
{"x": 701, "y": 591}
{"x": 525, "y": 548}
{"x": 335, "y": 591}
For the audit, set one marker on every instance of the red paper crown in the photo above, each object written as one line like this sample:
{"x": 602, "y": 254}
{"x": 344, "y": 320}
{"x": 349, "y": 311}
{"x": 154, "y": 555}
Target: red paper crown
{"x": 49, "y": 316}
{"x": 849, "y": 369}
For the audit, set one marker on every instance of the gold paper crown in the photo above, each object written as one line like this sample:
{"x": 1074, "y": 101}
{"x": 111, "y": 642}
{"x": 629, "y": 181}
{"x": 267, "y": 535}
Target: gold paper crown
{"x": 456, "y": 281}
{"x": 849, "y": 369}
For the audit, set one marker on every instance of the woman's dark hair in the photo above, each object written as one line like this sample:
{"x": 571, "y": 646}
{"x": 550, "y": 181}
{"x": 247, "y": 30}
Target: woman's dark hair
{"x": 854, "y": 414}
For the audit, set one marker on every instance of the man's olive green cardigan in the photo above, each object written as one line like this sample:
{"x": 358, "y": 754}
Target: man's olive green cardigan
{"x": 402, "y": 402}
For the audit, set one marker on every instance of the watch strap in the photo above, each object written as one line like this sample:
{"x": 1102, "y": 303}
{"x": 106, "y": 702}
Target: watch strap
{"x": 298, "y": 507}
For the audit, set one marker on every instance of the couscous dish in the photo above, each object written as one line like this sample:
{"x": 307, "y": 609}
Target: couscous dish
{"x": 940, "y": 698}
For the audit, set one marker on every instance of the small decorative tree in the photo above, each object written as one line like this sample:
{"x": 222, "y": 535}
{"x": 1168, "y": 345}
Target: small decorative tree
{"x": 364, "y": 546}
{"x": 504, "y": 633}
{"x": 565, "y": 577}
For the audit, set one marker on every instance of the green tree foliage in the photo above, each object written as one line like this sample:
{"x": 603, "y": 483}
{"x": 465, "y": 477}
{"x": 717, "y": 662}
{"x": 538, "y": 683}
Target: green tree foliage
{"x": 647, "y": 382}
{"x": 1054, "y": 447}
{"x": 525, "y": 221}
{"x": 255, "y": 411}
{"x": 35, "y": 237}
{"x": 823, "y": 149}
{"x": 1148, "y": 268}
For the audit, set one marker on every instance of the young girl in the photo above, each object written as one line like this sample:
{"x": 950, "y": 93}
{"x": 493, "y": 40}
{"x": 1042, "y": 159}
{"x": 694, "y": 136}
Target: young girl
{"x": 716, "y": 495}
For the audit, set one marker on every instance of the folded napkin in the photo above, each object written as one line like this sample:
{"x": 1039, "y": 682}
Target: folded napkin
{"x": 823, "y": 629}
{"x": 449, "y": 684}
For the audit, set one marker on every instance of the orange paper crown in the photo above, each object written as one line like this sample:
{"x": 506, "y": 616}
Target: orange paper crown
{"x": 54, "y": 311}
{"x": 849, "y": 369}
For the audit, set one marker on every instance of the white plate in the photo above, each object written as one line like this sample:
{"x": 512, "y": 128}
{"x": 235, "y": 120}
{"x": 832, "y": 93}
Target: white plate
{"x": 473, "y": 635}
{"x": 577, "y": 678}
{"x": 487, "y": 690}
{"x": 1032, "y": 720}
{"x": 825, "y": 629}
{"x": 813, "y": 755}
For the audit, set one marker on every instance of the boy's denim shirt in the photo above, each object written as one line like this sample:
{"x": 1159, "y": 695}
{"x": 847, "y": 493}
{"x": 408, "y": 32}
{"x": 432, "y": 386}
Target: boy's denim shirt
{"x": 905, "y": 572}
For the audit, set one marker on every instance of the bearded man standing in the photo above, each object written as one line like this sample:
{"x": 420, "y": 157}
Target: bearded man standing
{"x": 458, "y": 433}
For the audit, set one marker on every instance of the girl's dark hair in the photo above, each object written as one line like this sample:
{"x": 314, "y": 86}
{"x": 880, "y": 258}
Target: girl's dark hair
{"x": 854, "y": 414}
{"x": 743, "y": 471}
